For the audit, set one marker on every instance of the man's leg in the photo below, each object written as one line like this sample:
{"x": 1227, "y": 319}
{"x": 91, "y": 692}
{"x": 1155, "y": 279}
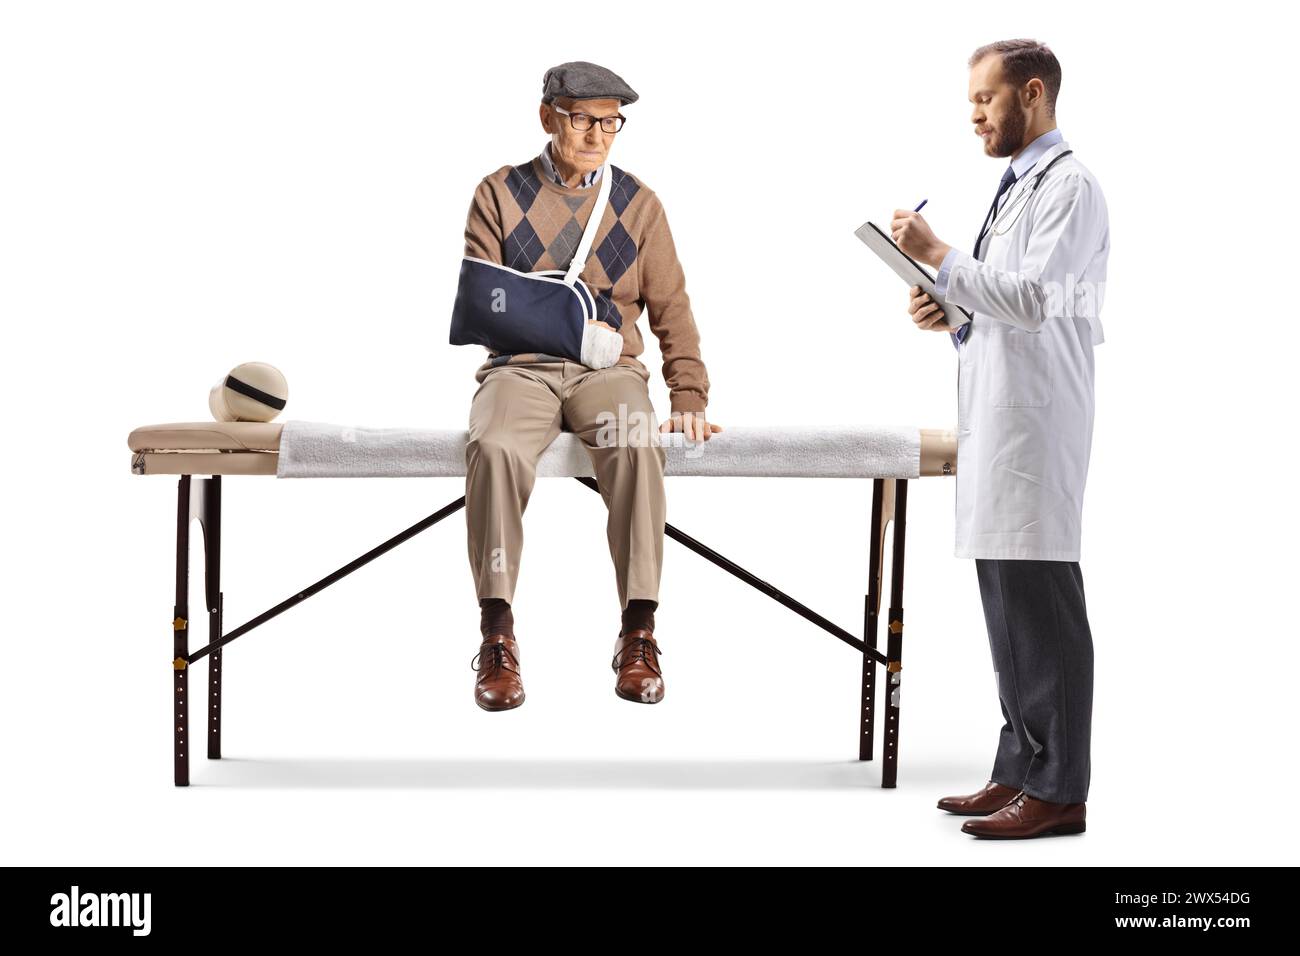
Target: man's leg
{"x": 1014, "y": 749}
{"x": 610, "y": 410}
{"x": 1043, "y": 658}
{"x": 514, "y": 416}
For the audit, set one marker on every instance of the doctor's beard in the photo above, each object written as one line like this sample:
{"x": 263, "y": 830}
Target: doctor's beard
{"x": 1009, "y": 135}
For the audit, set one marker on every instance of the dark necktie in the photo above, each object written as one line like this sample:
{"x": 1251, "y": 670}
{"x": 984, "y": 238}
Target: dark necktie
{"x": 1008, "y": 179}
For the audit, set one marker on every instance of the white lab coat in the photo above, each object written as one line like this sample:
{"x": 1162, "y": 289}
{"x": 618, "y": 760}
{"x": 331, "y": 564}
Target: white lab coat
{"x": 1025, "y": 369}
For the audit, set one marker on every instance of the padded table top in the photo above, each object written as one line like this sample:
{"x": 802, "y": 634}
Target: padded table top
{"x": 211, "y": 436}
{"x": 298, "y": 449}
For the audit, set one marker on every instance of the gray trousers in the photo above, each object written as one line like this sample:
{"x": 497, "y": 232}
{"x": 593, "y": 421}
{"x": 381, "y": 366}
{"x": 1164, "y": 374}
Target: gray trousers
{"x": 1042, "y": 660}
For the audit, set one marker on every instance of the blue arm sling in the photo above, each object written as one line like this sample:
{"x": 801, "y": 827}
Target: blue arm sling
{"x": 509, "y": 311}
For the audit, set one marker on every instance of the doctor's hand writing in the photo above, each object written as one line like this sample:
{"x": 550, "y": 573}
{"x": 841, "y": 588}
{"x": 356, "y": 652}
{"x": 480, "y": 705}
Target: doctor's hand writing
{"x": 913, "y": 235}
{"x": 925, "y": 311}
{"x": 693, "y": 424}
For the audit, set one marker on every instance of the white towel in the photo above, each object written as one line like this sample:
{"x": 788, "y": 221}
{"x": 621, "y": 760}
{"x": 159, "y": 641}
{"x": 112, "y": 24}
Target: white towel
{"x": 320, "y": 450}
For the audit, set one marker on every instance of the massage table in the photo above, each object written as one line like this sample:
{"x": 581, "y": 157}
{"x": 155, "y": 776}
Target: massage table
{"x": 203, "y": 453}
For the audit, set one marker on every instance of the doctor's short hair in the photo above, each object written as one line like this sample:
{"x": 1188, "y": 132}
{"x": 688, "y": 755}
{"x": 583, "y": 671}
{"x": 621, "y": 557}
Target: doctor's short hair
{"x": 1023, "y": 60}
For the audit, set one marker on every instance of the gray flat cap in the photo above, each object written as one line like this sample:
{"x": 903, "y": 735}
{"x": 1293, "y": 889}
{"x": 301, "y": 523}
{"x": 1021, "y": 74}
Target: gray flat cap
{"x": 585, "y": 81}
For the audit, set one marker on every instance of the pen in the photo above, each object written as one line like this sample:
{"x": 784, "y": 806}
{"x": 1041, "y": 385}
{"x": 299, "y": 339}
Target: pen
{"x": 918, "y": 208}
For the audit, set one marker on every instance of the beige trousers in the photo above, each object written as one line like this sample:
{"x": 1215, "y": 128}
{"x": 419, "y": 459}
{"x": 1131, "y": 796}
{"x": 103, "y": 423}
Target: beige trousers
{"x": 516, "y": 413}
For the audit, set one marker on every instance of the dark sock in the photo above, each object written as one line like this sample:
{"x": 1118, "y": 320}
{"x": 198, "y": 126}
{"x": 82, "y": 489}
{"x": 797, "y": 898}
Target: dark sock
{"x": 496, "y": 617}
{"x": 639, "y": 613}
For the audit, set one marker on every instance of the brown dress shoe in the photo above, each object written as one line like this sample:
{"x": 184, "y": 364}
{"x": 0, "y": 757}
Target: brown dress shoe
{"x": 1027, "y": 816}
{"x": 499, "y": 686}
{"x": 636, "y": 661}
{"x": 990, "y": 797}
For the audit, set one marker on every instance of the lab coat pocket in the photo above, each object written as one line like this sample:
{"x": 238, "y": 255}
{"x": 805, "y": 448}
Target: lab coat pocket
{"x": 1021, "y": 371}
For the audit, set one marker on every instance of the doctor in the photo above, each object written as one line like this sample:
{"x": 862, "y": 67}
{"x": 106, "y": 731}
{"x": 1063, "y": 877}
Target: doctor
{"x": 1034, "y": 282}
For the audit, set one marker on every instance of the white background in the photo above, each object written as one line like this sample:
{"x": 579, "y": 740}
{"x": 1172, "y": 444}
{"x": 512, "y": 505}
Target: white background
{"x": 189, "y": 186}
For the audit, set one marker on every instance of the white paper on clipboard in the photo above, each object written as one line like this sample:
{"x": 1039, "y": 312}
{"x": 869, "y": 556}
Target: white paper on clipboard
{"x": 909, "y": 270}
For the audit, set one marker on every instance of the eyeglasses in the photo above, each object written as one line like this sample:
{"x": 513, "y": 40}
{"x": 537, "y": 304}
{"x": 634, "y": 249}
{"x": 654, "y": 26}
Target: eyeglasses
{"x": 583, "y": 121}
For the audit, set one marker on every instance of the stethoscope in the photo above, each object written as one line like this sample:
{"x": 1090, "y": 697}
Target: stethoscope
{"x": 1018, "y": 202}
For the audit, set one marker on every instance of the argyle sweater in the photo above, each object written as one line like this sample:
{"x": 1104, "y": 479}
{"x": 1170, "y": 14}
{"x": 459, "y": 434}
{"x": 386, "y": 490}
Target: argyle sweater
{"x": 521, "y": 219}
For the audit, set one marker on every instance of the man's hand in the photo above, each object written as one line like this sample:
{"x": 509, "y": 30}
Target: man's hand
{"x": 692, "y": 423}
{"x": 925, "y": 311}
{"x": 913, "y": 235}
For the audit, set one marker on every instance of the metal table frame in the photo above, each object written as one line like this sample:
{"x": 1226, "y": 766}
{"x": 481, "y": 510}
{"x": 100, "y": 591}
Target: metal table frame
{"x": 200, "y": 498}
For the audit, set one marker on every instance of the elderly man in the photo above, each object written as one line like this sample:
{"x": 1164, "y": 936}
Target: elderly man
{"x": 530, "y": 218}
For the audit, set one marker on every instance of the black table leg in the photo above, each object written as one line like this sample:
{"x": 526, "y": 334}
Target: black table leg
{"x": 894, "y": 653}
{"x": 180, "y": 637}
{"x": 867, "y": 717}
{"x": 211, "y": 519}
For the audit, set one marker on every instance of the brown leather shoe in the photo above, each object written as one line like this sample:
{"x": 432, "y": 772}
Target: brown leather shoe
{"x": 989, "y": 798}
{"x": 636, "y": 661}
{"x": 499, "y": 686}
{"x": 1027, "y": 816}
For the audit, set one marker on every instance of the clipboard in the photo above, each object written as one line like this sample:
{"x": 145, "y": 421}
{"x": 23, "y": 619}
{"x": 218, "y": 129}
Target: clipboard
{"x": 907, "y": 269}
